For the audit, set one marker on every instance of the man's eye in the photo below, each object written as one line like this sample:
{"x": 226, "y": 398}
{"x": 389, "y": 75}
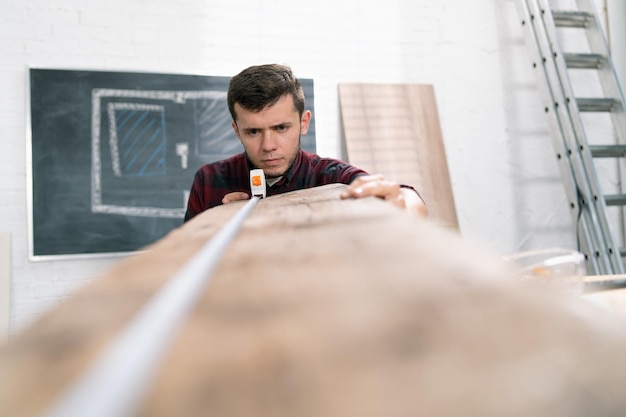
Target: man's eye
{"x": 281, "y": 128}
{"x": 253, "y": 131}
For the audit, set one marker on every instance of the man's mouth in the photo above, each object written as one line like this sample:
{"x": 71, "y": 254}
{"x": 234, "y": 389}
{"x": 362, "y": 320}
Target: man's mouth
{"x": 272, "y": 162}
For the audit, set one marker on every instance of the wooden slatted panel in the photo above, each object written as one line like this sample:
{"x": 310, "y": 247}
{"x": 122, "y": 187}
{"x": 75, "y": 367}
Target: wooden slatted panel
{"x": 329, "y": 307}
{"x": 394, "y": 130}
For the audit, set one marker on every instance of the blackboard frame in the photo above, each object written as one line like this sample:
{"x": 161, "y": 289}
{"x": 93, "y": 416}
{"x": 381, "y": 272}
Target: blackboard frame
{"x": 97, "y": 187}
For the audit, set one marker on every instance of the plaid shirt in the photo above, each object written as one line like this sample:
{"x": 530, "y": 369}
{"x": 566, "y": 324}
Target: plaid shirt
{"x": 213, "y": 181}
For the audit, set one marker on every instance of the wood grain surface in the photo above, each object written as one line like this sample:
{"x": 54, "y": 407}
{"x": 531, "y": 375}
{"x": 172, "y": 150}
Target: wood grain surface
{"x": 329, "y": 307}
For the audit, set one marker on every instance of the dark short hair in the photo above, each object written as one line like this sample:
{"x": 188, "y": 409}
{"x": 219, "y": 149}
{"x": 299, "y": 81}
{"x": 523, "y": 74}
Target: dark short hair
{"x": 261, "y": 86}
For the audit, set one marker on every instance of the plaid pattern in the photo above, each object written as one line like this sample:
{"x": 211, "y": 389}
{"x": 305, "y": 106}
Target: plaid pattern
{"x": 213, "y": 181}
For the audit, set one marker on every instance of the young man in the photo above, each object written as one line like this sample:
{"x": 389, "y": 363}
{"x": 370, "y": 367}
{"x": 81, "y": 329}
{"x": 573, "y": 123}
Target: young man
{"x": 266, "y": 103}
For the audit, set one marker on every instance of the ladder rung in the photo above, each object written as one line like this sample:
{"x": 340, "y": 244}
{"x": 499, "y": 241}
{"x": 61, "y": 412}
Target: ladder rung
{"x": 598, "y": 104}
{"x": 615, "y": 199}
{"x": 584, "y": 61}
{"x": 608, "y": 151}
{"x": 571, "y": 19}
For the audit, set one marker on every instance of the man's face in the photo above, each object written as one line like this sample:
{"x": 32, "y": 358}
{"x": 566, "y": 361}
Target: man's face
{"x": 271, "y": 137}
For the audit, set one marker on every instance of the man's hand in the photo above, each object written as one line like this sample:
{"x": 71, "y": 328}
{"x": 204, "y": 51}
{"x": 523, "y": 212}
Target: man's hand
{"x": 377, "y": 186}
{"x": 236, "y": 196}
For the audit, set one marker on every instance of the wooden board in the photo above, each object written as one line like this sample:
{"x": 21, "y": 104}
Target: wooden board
{"x": 394, "y": 130}
{"x": 329, "y": 307}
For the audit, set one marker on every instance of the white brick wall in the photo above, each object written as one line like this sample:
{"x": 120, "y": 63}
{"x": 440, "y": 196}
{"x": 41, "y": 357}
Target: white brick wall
{"x": 506, "y": 187}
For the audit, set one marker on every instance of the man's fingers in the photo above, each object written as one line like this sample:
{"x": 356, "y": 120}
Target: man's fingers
{"x": 236, "y": 196}
{"x": 378, "y": 188}
{"x": 366, "y": 179}
{"x": 376, "y": 185}
{"x": 361, "y": 186}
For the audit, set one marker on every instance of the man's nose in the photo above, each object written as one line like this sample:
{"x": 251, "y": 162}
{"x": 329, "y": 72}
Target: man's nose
{"x": 269, "y": 141}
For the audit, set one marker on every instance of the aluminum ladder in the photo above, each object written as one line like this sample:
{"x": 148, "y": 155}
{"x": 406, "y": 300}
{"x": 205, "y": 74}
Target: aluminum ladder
{"x": 545, "y": 29}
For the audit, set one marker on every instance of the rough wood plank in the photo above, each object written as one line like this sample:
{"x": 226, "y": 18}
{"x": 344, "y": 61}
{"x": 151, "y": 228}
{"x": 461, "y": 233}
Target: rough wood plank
{"x": 394, "y": 130}
{"x": 329, "y": 307}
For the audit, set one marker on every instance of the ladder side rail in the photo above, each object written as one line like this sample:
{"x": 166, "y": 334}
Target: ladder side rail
{"x": 589, "y": 240}
{"x": 577, "y": 141}
{"x": 593, "y": 264}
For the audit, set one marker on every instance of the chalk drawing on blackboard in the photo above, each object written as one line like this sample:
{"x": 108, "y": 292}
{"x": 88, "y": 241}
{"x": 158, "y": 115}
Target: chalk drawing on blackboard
{"x": 137, "y": 139}
{"x": 182, "y": 150}
{"x": 140, "y": 147}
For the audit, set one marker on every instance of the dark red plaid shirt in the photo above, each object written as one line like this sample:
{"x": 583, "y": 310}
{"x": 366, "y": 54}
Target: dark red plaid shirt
{"x": 213, "y": 181}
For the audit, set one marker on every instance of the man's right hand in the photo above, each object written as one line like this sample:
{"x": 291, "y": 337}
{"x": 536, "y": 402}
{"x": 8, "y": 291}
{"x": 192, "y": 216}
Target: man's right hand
{"x": 236, "y": 196}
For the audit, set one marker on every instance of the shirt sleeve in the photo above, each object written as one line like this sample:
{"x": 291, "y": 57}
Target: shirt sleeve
{"x": 196, "y": 197}
{"x": 342, "y": 172}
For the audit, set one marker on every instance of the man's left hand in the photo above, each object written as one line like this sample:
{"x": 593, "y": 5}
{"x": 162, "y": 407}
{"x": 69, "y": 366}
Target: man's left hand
{"x": 377, "y": 186}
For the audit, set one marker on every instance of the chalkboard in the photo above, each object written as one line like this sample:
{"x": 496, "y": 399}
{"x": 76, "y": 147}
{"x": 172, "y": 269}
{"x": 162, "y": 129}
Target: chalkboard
{"x": 113, "y": 154}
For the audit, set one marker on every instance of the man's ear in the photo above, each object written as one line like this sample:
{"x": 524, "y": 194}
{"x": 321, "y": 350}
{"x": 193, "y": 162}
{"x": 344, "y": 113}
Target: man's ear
{"x": 304, "y": 122}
